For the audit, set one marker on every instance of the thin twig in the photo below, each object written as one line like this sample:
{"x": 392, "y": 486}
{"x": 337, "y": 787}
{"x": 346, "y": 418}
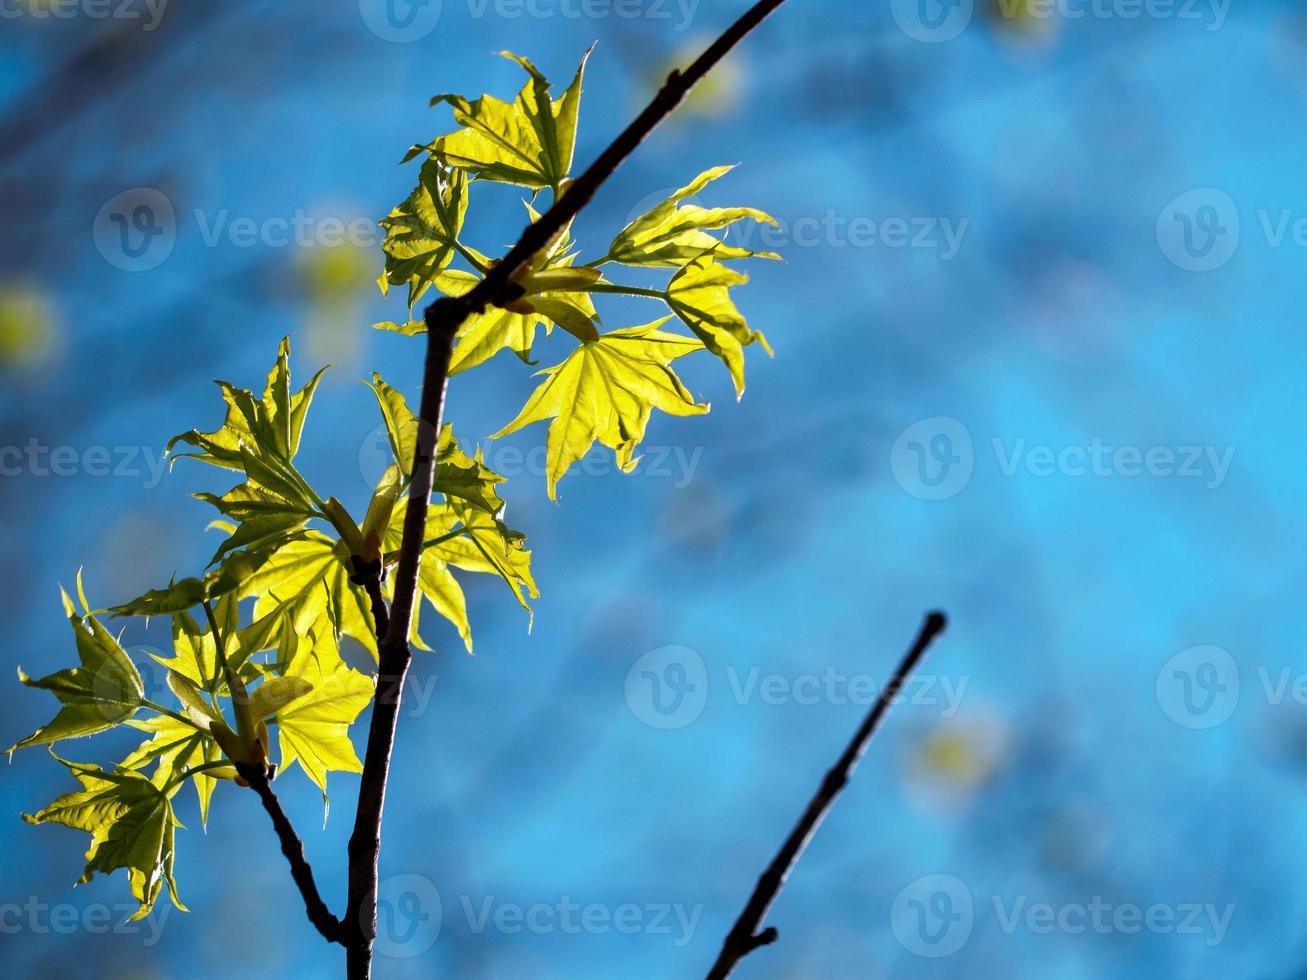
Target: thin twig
{"x": 293, "y": 848}
{"x": 746, "y": 935}
{"x": 368, "y": 575}
{"x": 443, "y": 319}
{"x": 393, "y": 659}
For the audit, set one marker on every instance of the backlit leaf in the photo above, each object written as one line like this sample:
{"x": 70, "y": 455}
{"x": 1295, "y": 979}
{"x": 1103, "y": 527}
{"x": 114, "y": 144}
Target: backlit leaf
{"x": 700, "y": 295}
{"x": 104, "y": 691}
{"x": 313, "y": 729}
{"x": 313, "y": 571}
{"x": 528, "y": 142}
{"x": 270, "y": 428}
{"x": 230, "y": 576}
{"x": 421, "y": 233}
{"x": 605, "y": 391}
{"x": 131, "y": 823}
{"x": 175, "y": 747}
{"x": 673, "y": 233}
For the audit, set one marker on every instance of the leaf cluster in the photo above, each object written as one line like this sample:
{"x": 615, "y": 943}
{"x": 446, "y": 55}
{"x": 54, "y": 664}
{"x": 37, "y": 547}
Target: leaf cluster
{"x": 257, "y": 635}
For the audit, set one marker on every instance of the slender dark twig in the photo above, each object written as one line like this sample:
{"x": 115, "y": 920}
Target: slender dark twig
{"x": 393, "y": 659}
{"x": 293, "y": 848}
{"x": 368, "y": 575}
{"x": 443, "y": 319}
{"x": 745, "y": 936}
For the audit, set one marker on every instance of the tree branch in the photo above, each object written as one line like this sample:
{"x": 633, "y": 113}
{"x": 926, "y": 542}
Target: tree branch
{"x": 293, "y": 848}
{"x": 443, "y": 319}
{"x": 745, "y": 936}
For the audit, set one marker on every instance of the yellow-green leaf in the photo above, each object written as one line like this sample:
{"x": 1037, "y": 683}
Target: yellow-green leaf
{"x": 313, "y": 729}
{"x": 672, "y": 233}
{"x": 401, "y": 423}
{"x": 105, "y": 691}
{"x": 176, "y": 747}
{"x": 700, "y": 295}
{"x": 313, "y": 570}
{"x": 233, "y": 573}
{"x": 438, "y": 584}
{"x": 465, "y": 477}
{"x": 131, "y": 823}
{"x": 275, "y": 693}
{"x": 457, "y": 473}
{"x": 389, "y": 489}
{"x": 270, "y": 428}
{"x": 528, "y": 142}
{"x": 553, "y": 292}
{"x": 606, "y": 391}
{"x": 484, "y": 544}
{"x": 422, "y": 233}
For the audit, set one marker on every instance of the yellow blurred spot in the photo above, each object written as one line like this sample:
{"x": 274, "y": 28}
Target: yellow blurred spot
{"x": 716, "y": 95}
{"x": 28, "y": 326}
{"x": 330, "y": 274}
{"x": 1029, "y": 20}
{"x": 333, "y": 282}
{"x": 957, "y": 757}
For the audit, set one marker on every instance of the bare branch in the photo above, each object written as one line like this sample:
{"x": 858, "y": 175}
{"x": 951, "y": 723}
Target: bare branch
{"x": 368, "y": 575}
{"x": 745, "y": 936}
{"x": 293, "y": 848}
{"x": 393, "y": 659}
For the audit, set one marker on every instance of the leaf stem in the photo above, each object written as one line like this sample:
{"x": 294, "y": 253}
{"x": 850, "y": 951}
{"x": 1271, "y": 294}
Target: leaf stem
{"x": 393, "y": 556}
{"x": 219, "y": 644}
{"x": 307, "y": 487}
{"x": 623, "y": 290}
{"x": 235, "y": 688}
{"x": 190, "y": 771}
{"x": 471, "y": 259}
{"x": 174, "y": 715}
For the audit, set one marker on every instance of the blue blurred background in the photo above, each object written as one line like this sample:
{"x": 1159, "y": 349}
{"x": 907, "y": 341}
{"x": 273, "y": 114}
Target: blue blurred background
{"x": 1035, "y": 329}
